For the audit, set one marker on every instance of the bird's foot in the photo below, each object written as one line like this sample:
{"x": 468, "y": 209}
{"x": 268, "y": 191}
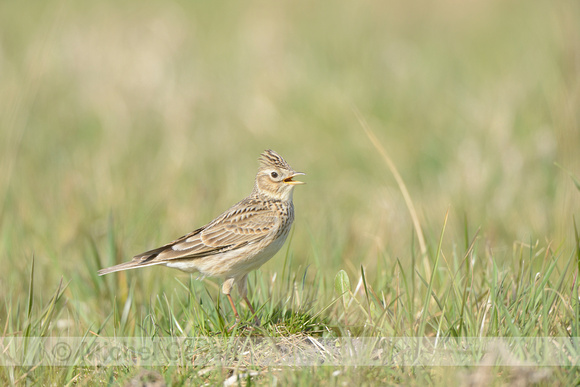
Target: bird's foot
{"x": 237, "y": 323}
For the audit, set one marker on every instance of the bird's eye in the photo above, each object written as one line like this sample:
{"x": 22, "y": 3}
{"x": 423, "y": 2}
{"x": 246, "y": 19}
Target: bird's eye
{"x": 274, "y": 174}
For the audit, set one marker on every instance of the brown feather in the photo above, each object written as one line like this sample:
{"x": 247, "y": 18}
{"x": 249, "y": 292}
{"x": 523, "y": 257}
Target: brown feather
{"x": 244, "y": 223}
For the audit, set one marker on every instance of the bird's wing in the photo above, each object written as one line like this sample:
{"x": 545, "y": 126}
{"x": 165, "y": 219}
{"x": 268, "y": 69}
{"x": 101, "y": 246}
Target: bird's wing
{"x": 244, "y": 223}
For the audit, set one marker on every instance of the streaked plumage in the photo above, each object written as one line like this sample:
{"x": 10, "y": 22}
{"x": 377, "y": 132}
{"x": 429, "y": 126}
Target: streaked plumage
{"x": 238, "y": 241}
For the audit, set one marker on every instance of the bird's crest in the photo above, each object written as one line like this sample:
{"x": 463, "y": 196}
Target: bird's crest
{"x": 269, "y": 159}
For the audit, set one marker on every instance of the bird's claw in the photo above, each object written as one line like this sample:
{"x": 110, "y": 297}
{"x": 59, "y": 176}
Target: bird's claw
{"x": 230, "y": 329}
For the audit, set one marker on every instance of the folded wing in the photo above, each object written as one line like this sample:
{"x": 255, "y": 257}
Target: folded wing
{"x": 245, "y": 223}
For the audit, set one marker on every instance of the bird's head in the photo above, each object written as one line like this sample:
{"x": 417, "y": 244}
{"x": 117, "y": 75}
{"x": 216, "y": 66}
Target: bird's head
{"x": 275, "y": 177}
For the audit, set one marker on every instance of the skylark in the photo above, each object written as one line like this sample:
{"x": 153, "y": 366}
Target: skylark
{"x": 238, "y": 241}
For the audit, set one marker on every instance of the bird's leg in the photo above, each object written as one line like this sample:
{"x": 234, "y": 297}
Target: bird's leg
{"x": 243, "y": 290}
{"x": 227, "y": 289}
{"x": 235, "y": 312}
{"x": 256, "y": 319}
{"x": 249, "y": 305}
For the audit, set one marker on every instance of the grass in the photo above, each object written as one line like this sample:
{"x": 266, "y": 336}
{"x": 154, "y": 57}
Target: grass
{"x": 440, "y": 143}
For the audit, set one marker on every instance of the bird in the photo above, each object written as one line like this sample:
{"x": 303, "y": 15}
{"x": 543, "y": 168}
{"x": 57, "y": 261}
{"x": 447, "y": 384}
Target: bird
{"x": 239, "y": 240}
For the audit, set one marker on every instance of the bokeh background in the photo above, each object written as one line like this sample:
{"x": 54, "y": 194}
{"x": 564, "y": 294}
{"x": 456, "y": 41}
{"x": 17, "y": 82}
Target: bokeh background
{"x": 146, "y": 118}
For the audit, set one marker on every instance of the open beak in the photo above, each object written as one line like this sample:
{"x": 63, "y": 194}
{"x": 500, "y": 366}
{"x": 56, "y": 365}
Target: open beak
{"x": 289, "y": 180}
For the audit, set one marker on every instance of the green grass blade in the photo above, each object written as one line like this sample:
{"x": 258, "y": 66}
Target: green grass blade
{"x": 423, "y": 321}
{"x": 30, "y": 299}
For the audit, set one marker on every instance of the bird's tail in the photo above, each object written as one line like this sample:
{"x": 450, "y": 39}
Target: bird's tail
{"x": 127, "y": 266}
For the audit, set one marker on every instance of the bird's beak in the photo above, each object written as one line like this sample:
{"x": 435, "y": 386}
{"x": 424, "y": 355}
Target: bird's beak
{"x": 289, "y": 180}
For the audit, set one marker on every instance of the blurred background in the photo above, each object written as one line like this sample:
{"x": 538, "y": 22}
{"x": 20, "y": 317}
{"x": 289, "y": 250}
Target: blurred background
{"x": 147, "y": 118}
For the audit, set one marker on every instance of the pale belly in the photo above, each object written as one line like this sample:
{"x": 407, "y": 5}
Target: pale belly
{"x": 231, "y": 263}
